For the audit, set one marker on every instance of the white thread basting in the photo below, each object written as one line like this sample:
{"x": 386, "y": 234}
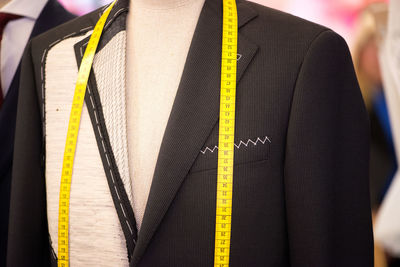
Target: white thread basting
{"x": 105, "y": 153}
{"x": 258, "y": 140}
{"x": 108, "y": 163}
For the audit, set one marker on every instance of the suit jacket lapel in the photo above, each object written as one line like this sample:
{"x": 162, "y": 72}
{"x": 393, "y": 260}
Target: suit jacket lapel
{"x": 194, "y": 113}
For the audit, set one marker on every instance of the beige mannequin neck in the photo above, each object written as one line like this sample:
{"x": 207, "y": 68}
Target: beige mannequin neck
{"x": 160, "y": 4}
{"x": 159, "y": 33}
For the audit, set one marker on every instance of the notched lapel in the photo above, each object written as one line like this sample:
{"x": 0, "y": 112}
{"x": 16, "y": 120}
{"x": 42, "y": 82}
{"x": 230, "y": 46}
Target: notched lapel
{"x": 194, "y": 113}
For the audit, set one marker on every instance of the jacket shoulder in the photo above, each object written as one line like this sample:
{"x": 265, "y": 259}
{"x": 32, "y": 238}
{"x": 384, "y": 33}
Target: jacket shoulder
{"x": 279, "y": 26}
{"x": 75, "y": 27}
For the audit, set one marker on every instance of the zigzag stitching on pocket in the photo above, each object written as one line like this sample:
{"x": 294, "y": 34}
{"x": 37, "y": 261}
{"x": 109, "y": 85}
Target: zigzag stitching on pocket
{"x": 257, "y": 141}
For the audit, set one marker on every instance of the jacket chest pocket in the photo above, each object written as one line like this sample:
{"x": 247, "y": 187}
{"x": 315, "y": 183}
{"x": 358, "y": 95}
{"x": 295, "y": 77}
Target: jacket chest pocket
{"x": 246, "y": 150}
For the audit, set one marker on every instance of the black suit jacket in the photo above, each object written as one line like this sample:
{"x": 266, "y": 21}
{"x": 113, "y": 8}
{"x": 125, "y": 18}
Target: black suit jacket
{"x": 300, "y": 199}
{"x": 53, "y": 14}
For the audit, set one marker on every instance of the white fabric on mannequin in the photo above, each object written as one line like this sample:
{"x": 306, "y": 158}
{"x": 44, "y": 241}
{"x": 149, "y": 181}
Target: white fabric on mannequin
{"x": 159, "y": 34}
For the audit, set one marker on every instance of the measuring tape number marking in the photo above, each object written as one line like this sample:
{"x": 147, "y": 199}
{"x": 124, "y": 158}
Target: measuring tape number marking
{"x": 226, "y": 135}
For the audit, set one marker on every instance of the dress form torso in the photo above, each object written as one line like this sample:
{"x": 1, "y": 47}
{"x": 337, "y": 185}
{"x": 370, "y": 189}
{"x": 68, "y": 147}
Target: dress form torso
{"x": 159, "y": 34}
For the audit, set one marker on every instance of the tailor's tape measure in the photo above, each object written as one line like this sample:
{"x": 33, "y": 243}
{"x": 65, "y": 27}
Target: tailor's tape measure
{"x": 225, "y": 142}
{"x": 226, "y": 135}
{"x": 72, "y": 135}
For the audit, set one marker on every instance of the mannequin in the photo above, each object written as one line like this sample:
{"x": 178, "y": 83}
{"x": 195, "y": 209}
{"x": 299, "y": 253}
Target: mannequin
{"x": 289, "y": 207}
{"x": 158, "y": 39}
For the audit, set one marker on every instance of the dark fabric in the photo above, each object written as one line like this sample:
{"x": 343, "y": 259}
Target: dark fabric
{"x": 52, "y": 15}
{"x": 30, "y": 146}
{"x": 327, "y": 205}
{"x": 4, "y": 19}
{"x": 301, "y": 199}
{"x": 383, "y": 163}
{"x": 394, "y": 262}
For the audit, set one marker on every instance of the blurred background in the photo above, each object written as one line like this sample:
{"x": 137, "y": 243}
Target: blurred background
{"x": 362, "y": 23}
{"x": 340, "y": 15}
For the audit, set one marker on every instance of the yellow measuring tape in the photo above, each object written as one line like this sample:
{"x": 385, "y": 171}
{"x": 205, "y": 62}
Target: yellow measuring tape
{"x": 72, "y": 135}
{"x": 225, "y": 143}
{"x": 226, "y": 135}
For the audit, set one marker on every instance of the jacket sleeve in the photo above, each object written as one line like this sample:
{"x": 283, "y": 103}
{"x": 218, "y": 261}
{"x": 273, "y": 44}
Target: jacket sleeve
{"x": 326, "y": 162}
{"x": 28, "y": 234}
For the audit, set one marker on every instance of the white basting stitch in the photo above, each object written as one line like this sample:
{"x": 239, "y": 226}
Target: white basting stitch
{"x": 238, "y": 57}
{"x": 85, "y": 29}
{"x": 130, "y": 229}
{"x": 111, "y": 173}
{"x": 95, "y": 116}
{"x": 44, "y": 53}
{"x": 91, "y": 100}
{"x": 266, "y": 138}
{"x": 42, "y": 89}
{"x": 116, "y": 14}
{"x": 101, "y": 136}
{"x": 112, "y": 176}
{"x": 94, "y": 109}
{"x": 209, "y": 149}
{"x": 123, "y": 210}
{"x": 116, "y": 191}
{"x": 109, "y": 165}
{"x": 54, "y": 43}
{"x": 108, "y": 160}
{"x": 69, "y": 35}
{"x": 254, "y": 143}
{"x": 104, "y": 147}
